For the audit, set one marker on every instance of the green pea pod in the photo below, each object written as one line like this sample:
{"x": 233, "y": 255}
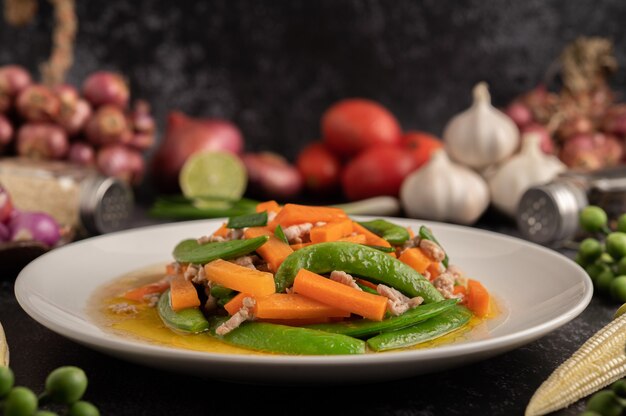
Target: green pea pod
{"x": 187, "y": 320}
{"x": 359, "y": 260}
{"x": 391, "y": 232}
{"x": 189, "y": 251}
{"x": 434, "y": 327}
{"x": 365, "y": 327}
{"x": 263, "y": 336}
{"x": 258, "y": 219}
{"x": 426, "y": 234}
{"x": 382, "y": 248}
{"x": 220, "y": 291}
{"x": 280, "y": 234}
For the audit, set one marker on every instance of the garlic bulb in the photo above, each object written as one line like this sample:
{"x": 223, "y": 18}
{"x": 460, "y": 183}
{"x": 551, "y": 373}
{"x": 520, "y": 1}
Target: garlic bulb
{"x": 444, "y": 191}
{"x": 481, "y": 135}
{"x": 528, "y": 168}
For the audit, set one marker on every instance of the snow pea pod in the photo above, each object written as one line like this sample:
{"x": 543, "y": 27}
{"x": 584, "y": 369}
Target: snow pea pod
{"x": 189, "y": 251}
{"x": 187, "y": 320}
{"x": 263, "y": 336}
{"x": 258, "y": 219}
{"x": 426, "y": 234}
{"x": 391, "y": 232}
{"x": 365, "y": 327}
{"x": 434, "y": 327}
{"x": 359, "y": 260}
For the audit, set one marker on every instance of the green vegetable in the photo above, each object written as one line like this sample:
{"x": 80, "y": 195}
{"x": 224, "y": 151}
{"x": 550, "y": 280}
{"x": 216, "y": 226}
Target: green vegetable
{"x": 258, "y": 219}
{"x": 621, "y": 223}
{"x": 590, "y": 249}
{"x": 393, "y": 233}
{"x": 426, "y": 234}
{"x": 593, "y": 219}
{"x": 220, "y": 291}
{"x": 596, "y": 269}
{"x": 46, "y": 413}
{"x": 66, "y": 384}
{"x": 603, "y": 281}
{"x": 617, "y": 288}
{"x": 187, "y": 320}
{"x": 383, "y": 248}
{"x": 621, "y": 266}
{"x": 189, "y": 251}
{"x": 616, "y": 245}
{"x": 605, "y": 402}
{"x": 434, "y": 327}
{"x": 20, "y": 401}
{"x": 6, "y": 380}
{"x": 367, "y": 289}
{"x": 284, "y": 339}
{"x": 359, "y": 260}
{"x": 83, "y": 408}
{"x": 179, "y": 207}
{"x": 280, "y": 234}
{"x": 365, "y": 327}
{"x": 619, "y": 388}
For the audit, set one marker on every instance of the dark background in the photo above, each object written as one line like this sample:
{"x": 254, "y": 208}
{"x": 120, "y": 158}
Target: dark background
{"x": 272, "y": 67}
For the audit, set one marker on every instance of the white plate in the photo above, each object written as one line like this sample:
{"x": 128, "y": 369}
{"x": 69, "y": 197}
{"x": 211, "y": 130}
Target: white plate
{"x": 538, "y": 290}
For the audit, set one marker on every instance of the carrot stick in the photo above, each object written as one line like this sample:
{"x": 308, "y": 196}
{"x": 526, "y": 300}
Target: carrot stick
{"x": 411, "y": 233}
{"x": 233, "y": 305}
{"x": 331, "y": 231}
{"x": 139, "y": 294}
{"x": 297, "y": 322}
{"x": 435, "y": 270}
{"x": 269, "y": 206}
{"x": 183, "y": 294}
{"x": 222, "y": 231}
{"x": 298, "y": 246}
{"x": 371, "y": 238}
{"x": 240, "y": 278}
{"x": 366, "y": 283}
{"x": 286, "y": 306}
{"x": 357, "y": 239}
{"x": 478, "y": 299}
{"x": 416, "y": 258}
{"x": 340, "y": 296}
{"x": 292, "y": 214}
{"x": 274, "y": 251}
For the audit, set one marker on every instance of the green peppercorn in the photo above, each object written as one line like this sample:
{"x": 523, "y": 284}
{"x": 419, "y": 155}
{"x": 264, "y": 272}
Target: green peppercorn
{"x": 593, "y": 219}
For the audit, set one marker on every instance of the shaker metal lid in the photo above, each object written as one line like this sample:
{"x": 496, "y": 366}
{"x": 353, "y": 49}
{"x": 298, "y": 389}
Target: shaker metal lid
{"x": 549, "y": 213}
{"x": 106, "y": 204}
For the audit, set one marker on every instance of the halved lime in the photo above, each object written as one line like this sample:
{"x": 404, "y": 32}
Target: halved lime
{"x": 214, "y": 176}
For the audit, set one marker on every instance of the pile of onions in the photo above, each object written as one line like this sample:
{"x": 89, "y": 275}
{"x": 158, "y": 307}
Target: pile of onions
{"x": 65, "y": 123}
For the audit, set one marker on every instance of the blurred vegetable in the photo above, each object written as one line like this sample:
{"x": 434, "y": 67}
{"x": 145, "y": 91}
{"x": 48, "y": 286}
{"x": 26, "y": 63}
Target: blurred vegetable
{"x": 81, "y": 154}
{"x": 121, "y": 162}
{"x": 13, "y": 79}
{"x": 422, "y": 145}
{"x": 185, "y": 136}
{"x": 519, "y": 113}
{"x": 352, "y": 125}
{"x": 591, "y": 151}
{"x": 319, "y": 168}
{"x": 545, "y": 140}
{"x": 270, "y": 176}
{"x": 38, "y": 103}
{"x": 6, "y": 131}
{"x": 481, "y": 135}
{"x": 379, "y": 170}
{"x": 74, "y": 111}
{"x": 108, "y": 125}
{"x": 104, "y": 87}
{"x": 42, "y": 141}
{"x": 141, "y": 119}
{"x": 5, "y": 234}
{"x": 34, "y": 226}
{"x": 6, "y": 206}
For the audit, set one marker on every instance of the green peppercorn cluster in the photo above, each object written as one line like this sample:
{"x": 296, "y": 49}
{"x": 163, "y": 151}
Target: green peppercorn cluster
{"x": 608, "y": 402}
{"x": 65, "y": 387}
{"x": 603, "y": 253}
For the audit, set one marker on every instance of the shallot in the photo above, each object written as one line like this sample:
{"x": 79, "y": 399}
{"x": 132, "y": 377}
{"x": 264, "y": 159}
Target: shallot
{"x": 105, "y": 87}
{"x": 545, "y": 140}
{"x": 519, "y": 113}
{"x": 14, "y": 79}
{"x": 108, "y": 125}
{"x": 121, "y": 162}
{"x": 81, "y": 154}
{"x": 38, "y": 103}
{"x": 6, "y": 206}
{"x": 39, "y": 226}
{"x": 42, "y": 141}
{"x": 4, "y": 233}
{"x": 141, "y": 119}
{"x": 6, "y": 130}
{"x": 591, "y": 151}
{"x": 271, "y": 176}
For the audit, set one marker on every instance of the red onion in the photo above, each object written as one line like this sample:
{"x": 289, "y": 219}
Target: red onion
{"x": 142, "y": 141}
{"x": 519, "y": 113}
{"x": 105, "y": 87}
{"x": 42, "y": 141}
{"x": 575, "y": 126}
{"x": 121, "y": 162}
{"x": 107, "y": 126}
{"x": 16, "y": 78}
{"x": 74, "y": 119}
{"x": 39, "y": 226}
{"x": 545, "y": 140}
{"x": 81, "y": 154}
{"x": 6, "y": 130}
{"x": 185, "y": 136}
{"x": 6, "y": 206}
{"x": 591, "y": 151}
{"x": 615, "y": 120}
{"x": 141, "y": 119}
{"x": 38, "y": 103}
{"x": 5, "y": 234}
{"x": 271, "y": 176}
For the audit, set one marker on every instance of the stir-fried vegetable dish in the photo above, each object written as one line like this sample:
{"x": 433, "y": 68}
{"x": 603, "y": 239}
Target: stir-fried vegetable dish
{"x": 298, "y": 279}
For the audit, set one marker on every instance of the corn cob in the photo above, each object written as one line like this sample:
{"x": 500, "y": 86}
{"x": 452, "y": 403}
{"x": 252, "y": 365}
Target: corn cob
{"x": 4, "y": 348}
{"x": 600, "y": 361}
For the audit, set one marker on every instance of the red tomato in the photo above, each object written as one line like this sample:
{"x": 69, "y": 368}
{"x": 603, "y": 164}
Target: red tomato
{"x": 377, "y": 171}
{"x": 422, "y": 145}
{"x": 319, "y": 167}
{"x": 352, "y": 125}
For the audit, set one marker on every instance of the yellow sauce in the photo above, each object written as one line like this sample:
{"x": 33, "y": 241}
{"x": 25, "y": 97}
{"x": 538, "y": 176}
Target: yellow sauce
{"x": 146, "y": 325}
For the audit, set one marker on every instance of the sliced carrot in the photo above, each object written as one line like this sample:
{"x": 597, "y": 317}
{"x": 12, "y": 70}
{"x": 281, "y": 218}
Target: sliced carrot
{"x": 240, "y": 278}
{"x": 357, "y": 239}
{"x": 366, "y": 283}
{"x": 411, "y": 233}
{"x": 222, "y": 231}
{"x": 415, "y": 258}
{"x": 331, "y": 231}
{"x": 435, "y": 270}
{"x": 371, "y": 238}
{"x": 297, "y": 322}
{"x": 170, "y": 269}
{"x": 274, "y": 251}
{"x": 298, "y": 246}
{"x": 286, "y": 306}
{"x": 139, "y": 294}
{"x": 233, "y": 305}
{"x": 183, "y": 294}
{"x": 478, "y": 299}
{"x": 292, "y": 214}
{"x": 269, "y": 206}
{"x": 340, "y": 296}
